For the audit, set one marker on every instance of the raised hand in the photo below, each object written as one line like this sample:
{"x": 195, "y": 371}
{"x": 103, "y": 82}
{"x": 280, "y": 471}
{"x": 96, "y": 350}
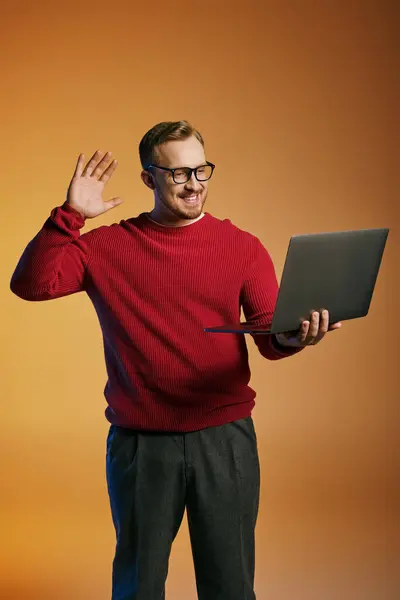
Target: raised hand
{"x": 85, "y": 192}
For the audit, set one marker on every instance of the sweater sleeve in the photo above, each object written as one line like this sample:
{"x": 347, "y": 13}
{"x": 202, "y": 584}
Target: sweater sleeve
{"x": 258, "y": 298}
{"x": 54, "y": 263}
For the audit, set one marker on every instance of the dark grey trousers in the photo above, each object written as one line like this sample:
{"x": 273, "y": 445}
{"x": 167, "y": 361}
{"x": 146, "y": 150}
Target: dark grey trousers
{"x": 153, "y": 476}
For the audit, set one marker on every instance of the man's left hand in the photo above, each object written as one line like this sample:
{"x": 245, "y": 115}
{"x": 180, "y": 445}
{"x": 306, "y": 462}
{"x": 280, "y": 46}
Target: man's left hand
{"x": 310, "y": 333}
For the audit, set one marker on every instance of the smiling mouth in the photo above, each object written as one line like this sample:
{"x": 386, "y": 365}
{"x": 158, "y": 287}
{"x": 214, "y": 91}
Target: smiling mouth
{"x": 191, "y": 199}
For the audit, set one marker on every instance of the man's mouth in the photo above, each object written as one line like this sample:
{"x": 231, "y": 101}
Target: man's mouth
{"x": 192, "y": 199}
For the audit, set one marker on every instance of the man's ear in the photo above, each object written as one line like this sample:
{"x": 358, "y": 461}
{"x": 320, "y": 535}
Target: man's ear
{"x": 148, "y": 180}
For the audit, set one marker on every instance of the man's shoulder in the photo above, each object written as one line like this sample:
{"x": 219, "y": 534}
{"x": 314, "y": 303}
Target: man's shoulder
{"x": 231, "y": 228}
{"x": 110, "y": 230}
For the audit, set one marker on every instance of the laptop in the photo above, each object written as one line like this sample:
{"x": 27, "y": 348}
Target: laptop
{"x": 335, "y": 270}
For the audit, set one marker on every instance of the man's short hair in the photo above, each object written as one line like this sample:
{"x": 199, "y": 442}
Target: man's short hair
{"x": 164, "y": 132}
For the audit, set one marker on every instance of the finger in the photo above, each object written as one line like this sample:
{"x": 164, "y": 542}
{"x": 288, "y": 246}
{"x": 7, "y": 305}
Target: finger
{"x": 90, "y": 167}
{"x": 109, "y": 171}
{"x": 335, "y": 326}
{"x": 79, "y": 165}
{"x": 109, "y": 204}
{"x": 314, "y": 327}
{"x": 302, "y": 335}
{"x": 323, "y": 326}
{"x": 101, "y": 165}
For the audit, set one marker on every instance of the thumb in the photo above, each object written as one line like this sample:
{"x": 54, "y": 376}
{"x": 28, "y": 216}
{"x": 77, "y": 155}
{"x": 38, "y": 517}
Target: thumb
{"x": 112, "y": 203}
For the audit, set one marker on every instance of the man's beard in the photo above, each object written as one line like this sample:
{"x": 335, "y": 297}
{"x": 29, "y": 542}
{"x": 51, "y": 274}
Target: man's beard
{"x": 183, "y": 212}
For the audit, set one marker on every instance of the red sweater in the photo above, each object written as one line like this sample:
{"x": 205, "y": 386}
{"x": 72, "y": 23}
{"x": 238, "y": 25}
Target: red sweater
{"x": 155, "y": 289}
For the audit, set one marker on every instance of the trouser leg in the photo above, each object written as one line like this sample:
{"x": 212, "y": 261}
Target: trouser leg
{"x": 146, "y": 484}
{"x": 222, "y": 506}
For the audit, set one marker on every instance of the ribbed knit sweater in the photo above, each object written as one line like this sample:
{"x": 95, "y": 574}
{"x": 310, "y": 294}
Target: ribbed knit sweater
{"x": 155, "y": 289}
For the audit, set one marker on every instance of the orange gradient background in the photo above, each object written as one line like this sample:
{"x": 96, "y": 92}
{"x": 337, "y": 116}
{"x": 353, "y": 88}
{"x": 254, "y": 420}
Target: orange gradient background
{"x": 297, "y": 103}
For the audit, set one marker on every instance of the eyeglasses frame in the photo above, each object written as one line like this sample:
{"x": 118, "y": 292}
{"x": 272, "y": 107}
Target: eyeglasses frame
{"x": 191, "y": 171}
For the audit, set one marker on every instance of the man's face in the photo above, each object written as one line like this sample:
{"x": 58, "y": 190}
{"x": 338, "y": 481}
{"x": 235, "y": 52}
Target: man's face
{"x": 177, "y": 202}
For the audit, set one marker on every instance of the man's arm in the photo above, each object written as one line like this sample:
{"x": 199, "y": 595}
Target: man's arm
{"x": 258, "y": 299}
{"x": 54, "y": 263}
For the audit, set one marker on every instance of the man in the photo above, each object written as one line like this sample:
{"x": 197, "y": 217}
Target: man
{"x": 179, "y": 404}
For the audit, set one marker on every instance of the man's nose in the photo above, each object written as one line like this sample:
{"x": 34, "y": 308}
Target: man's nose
{"x": 193, "y": 184}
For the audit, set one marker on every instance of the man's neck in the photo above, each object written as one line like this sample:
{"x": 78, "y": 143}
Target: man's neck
{"x": 154, "y": 218}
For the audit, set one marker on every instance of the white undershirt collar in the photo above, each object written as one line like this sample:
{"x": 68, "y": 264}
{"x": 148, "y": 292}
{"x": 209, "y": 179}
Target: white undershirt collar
{"x": 174, "y": 226}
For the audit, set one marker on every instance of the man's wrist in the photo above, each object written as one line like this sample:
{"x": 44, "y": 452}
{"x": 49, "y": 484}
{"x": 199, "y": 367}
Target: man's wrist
{"x": 284, "y": 342}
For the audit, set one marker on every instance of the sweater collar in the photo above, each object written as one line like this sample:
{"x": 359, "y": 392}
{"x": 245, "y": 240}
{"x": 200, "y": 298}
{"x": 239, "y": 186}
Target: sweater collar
{"x": 148, "y": 222}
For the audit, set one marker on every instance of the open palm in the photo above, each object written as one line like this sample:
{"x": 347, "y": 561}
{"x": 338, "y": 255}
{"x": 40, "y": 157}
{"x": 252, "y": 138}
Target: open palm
{"x": 85, "y": 192}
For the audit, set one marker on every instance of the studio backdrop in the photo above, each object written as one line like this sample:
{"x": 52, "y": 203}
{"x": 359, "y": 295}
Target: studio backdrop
{"x": 296, "y": 103}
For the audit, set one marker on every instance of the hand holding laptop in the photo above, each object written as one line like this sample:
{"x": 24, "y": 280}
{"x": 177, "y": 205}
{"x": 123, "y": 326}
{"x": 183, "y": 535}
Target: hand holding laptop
{"x": 343, "y": 277}
{"x": 310, "y": 333}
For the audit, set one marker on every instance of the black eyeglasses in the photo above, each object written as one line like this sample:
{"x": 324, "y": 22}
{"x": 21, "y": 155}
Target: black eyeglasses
{"x": 183, "y": 174}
